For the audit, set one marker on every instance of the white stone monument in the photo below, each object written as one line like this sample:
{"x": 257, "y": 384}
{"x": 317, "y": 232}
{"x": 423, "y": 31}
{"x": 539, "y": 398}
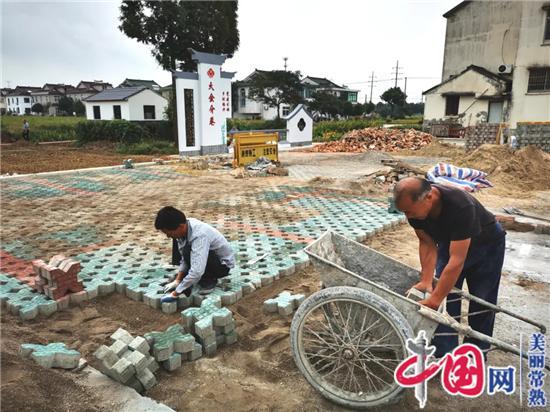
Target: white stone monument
{"x": 203, "y": 105}
{"x": 299, "y": 124}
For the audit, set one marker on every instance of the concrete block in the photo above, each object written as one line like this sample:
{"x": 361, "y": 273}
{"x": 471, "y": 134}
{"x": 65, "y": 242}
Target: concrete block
{"x": 63, "y": 303}
{"x": 139, "y": 344}
{"x": 123, "y": 335}
{"x": 196, "y": 353}
{"x": 285, "y": 308}
{"x": 173, "y": 362}
{"x": 119, "y": 347}
{"x": 210, "y": 350}
{"x": 123, "y": 370}
{"x": 152, "y": 364}
{"x": 171, "y": 307}
{"x": 138, "y": 360}
{"x": 78, "y": 297}
{"x": 106, "y": 356}
{"x": 146, "y": 378}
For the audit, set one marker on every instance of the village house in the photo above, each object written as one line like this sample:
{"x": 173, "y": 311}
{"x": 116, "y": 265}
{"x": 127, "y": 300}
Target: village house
{"x": 128, "y": 103}
{"x": 496, "y": 65}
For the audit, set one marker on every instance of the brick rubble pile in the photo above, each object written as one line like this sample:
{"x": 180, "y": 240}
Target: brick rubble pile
{"x": 372, "y": 138}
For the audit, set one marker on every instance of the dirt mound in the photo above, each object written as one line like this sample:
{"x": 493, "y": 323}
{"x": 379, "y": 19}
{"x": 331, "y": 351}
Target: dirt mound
{"x": 525, "y": 169}
{"x": 436, "y": 149}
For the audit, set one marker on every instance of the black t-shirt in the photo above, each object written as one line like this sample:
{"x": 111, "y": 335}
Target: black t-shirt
{"x": 461, "y": 217}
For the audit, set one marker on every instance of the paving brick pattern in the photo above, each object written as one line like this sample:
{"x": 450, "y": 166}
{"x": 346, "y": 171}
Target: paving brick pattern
{"x": 104, "y": 220}
{"x": 284, "y": 304}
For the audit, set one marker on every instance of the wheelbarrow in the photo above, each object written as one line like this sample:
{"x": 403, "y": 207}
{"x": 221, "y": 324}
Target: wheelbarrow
{"x": 348, "y": 338}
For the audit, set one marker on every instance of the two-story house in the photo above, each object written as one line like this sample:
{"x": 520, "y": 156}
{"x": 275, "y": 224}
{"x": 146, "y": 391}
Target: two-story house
{"x": 496, "y": 65}
{"x": 3, "y": 99}
{"x": 150, "y": 84}
{"x": 19, "y": 100}
{"x": 245, "y": 107}
{"x": 314, "y": 85}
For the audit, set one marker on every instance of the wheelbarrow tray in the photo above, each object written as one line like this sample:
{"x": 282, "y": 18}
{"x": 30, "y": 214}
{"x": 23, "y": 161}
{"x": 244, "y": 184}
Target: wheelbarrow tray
{"x": 344, "y": 262}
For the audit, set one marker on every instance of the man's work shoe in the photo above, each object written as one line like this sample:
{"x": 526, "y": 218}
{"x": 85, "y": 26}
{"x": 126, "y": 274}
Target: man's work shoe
{"x": 206, "y": 290}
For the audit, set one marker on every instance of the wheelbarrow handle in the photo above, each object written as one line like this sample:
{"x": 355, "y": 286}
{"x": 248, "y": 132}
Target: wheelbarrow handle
{"x": 447, "y": 320}
{"x": 496, "y": 308}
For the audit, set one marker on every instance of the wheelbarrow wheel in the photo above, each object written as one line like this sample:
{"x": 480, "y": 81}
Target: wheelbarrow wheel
{"x": 347, "y": 343}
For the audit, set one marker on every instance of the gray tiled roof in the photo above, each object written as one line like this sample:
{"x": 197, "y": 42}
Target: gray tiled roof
{"x": 118, "y": 93}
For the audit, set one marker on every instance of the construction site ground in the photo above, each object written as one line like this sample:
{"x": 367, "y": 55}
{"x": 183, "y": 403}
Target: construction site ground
{"x": 257, "y": 373}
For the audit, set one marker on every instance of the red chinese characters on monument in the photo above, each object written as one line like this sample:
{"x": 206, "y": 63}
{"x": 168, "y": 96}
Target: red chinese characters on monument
{"x": 463, "y": 371}
{"x": 211, "y": 98}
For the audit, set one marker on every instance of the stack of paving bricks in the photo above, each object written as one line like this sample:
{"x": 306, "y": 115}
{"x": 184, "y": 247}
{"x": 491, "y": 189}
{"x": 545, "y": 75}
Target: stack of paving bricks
{"x": 211, "y": 324}
{"x": 52, "y": 355}
{"x": 285, "y": 303}
{"x": 128, "y": 361}
{"x": 535, "y": 134}
{"x": 58, "y": 280}
{"x": 19, "y": 299}
{"x": 173, "y": 346}
{"x": 483, "y": 133}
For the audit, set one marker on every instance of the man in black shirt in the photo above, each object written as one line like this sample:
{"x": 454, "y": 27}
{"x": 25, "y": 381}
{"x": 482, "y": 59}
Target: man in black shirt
{"x": 459, "y": 240}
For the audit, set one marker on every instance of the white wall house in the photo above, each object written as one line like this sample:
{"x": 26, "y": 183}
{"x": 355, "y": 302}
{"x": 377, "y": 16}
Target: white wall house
{"x": 248, "y": 108}
{"x": 19, "y": 101}
{"x": 496, "y": 65}
{"x": 128, "y": 103}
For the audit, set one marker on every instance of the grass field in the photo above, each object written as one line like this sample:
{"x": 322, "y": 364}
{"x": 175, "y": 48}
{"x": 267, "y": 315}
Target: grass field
{"x": 42, "y": 128}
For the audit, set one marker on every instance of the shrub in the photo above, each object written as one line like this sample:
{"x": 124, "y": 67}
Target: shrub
{"x": 247, "y": 124}
{"x": 158, "y": 129}
{"x": 145, "y": 147}
{"x": 119, "y": 131}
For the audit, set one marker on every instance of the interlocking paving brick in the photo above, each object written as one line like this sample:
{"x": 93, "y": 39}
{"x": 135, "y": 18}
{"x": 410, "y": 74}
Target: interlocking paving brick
{"x": 52, "y": 355}
{"x": 285, "y": 303}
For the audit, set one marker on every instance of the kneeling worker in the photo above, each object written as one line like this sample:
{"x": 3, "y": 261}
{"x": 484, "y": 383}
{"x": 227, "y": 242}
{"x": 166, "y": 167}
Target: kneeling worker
{"x": 459, "y": 240}
{"x": 206, "y": 255}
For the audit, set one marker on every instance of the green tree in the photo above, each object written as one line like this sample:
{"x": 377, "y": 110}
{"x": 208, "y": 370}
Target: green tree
{"x": 326, "y": 103}
{"x": 275, "y": 88}
{"x": 172, "y": 27}
{"x": 369, "y": 107}
{"x": 394, "y": 96}
{"x": 37, "y": 108}
{"x": 66, "y": 105}
{"x": 79, "y": 108}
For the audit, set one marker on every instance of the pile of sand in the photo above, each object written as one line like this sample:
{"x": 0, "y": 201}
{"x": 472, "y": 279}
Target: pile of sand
{"x": 524, "y": 169}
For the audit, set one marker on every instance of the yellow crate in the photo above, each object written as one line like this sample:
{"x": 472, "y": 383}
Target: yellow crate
{"x": 250, "y": 146}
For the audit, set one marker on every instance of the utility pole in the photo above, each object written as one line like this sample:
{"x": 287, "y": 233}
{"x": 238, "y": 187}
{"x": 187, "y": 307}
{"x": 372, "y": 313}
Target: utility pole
{"x": 405, "y": 91}
{"x": 285, "y": 59}
{"x": 396, "y": 72}
{"x": 371, "y": 85}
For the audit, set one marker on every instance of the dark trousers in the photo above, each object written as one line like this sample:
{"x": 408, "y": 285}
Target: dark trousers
{"x": 482, "y": 270}
{"x": 214, "y": 270}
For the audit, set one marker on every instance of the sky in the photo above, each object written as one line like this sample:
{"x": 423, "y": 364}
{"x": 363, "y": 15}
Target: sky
{"x": 66, "y": 41}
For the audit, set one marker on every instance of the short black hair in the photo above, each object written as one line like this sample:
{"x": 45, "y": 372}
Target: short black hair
{"x": 169, "y": 218}
{"x": 416, "y": 193}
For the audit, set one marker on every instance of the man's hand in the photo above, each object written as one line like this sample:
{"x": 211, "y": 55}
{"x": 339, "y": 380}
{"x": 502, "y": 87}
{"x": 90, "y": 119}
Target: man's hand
{"x": 432, "y": 302}
{"x": 170, "y": 286}
{"x": 424, "y": 286}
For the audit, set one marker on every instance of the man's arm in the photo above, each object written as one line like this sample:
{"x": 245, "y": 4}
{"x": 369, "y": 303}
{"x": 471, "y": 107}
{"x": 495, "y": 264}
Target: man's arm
{"x": 427, "y": 251}
{"x": 458, "y": 250}
{"x": 199, "y": 258}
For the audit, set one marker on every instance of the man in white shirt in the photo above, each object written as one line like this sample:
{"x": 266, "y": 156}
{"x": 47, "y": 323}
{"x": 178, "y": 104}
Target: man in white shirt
{"x": 206, "y": 255}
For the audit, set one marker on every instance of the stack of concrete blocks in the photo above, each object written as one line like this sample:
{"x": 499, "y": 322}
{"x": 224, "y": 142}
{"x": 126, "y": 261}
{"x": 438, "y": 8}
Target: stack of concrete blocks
{"x": 58, "y": 280}
{"x": 211, "y": 324}
{"x": 128, "y": 361}
{"x": 284, "y": 304}
{"x": 535, "y": 134}
{"x": 483, "y": 133}
{"x": 173, "y": 346}
{"x": 52, "y": 355}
